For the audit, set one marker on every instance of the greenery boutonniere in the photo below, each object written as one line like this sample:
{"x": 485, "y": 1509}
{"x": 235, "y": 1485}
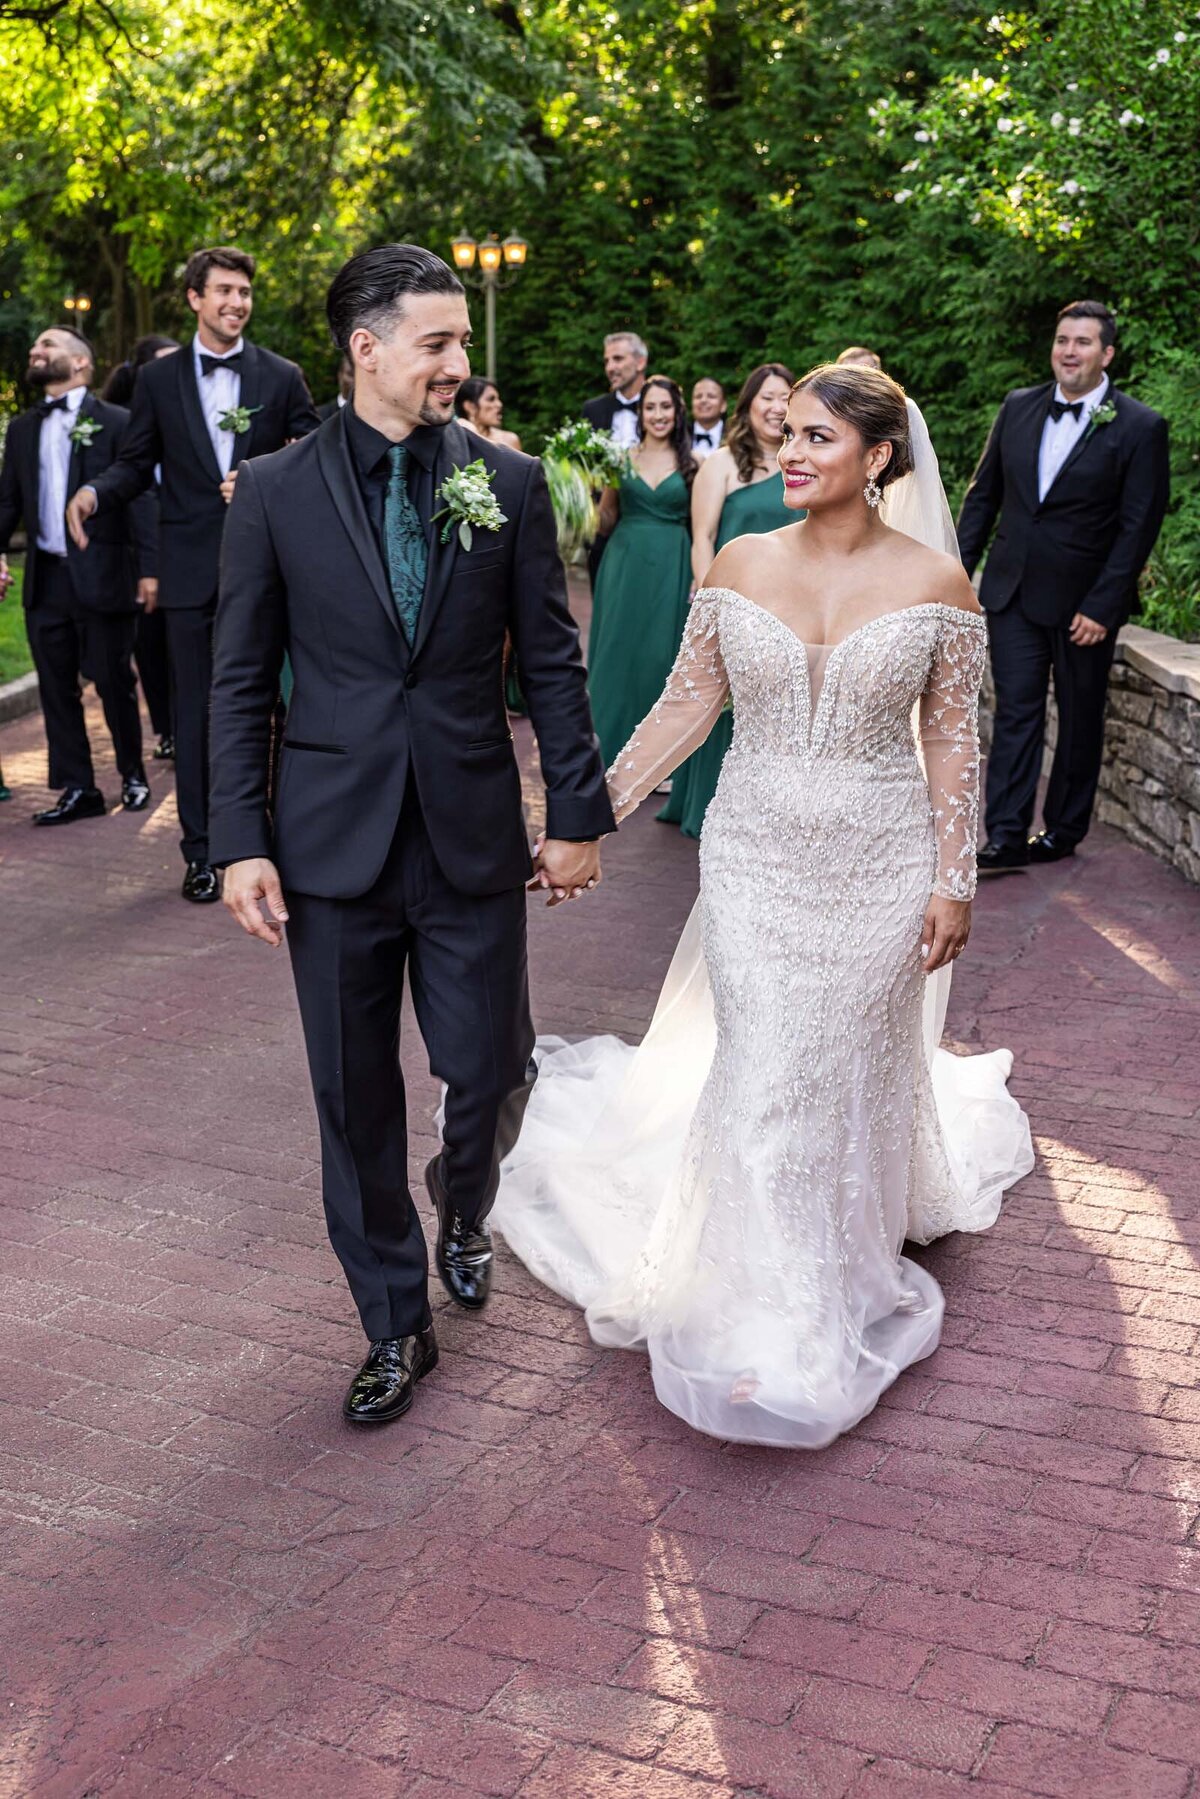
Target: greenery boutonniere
{"x": 237, "y": 419}
{"x": 83, "y": 431}
{"x": 1104, "y": 414}
{"x": 470, "y": 503}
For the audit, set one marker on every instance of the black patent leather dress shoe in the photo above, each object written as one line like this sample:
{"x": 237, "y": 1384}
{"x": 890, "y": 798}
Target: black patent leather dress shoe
{"x": 135, "y": 793}
{"x": 201, "y": 884}
{"x": 464, "y": 1251}
{"x": 1047, "y": 847}
{"x": 384, "y": 1386}
{"x": 75, "y": 802}
{"x": 166, "y": 750}
{"x": 1002, "y": 858}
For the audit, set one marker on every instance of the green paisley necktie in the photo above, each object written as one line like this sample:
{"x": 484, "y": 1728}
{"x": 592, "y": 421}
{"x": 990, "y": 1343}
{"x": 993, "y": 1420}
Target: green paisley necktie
{"x": 407, "y": 551}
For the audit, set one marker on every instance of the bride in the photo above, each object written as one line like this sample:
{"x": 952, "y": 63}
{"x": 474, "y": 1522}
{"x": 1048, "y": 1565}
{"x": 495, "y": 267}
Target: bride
{"x": 733, "y": 1196}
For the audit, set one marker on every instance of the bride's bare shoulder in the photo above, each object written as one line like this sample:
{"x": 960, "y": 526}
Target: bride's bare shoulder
{"x": 745, "y": 560}
{"x": 935, "y": 576}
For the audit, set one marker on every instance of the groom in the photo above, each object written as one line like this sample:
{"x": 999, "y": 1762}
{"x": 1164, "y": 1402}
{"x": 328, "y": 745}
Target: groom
{"x": 397, "y": 836}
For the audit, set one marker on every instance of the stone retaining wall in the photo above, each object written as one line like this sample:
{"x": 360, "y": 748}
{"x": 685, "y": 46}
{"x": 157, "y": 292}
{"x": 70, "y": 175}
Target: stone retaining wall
{"x": 1150, "y": 787}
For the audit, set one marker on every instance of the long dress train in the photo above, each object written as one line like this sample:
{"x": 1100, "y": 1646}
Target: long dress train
{"x": 734, "y": 1195}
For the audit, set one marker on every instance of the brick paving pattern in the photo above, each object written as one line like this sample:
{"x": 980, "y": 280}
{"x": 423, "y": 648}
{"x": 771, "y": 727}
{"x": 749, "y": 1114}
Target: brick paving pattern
{"x": 540, "y": 1583}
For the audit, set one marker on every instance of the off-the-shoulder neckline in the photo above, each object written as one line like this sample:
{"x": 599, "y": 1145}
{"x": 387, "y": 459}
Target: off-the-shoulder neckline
{"x": 869, "y": 624}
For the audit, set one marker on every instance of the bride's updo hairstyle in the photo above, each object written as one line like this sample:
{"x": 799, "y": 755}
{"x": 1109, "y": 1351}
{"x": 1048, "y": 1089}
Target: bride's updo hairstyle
{"x": 870, "y": 401}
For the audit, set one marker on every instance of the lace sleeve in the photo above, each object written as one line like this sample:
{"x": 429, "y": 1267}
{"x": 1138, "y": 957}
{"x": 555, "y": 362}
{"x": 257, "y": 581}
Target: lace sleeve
{"x": 682, "y": 716}
{"x": 950, "y": 745}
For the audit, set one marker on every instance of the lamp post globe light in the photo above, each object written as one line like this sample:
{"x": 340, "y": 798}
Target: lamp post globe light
{"x": 78, "y": 305}
{"x": 492, "y": 258}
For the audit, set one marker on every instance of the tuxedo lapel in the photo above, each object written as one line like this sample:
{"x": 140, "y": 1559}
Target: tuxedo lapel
{"x": 1030, "y": 426}
{"x": 454, "y": 451}
{"x": 249, "y": 396}
{"x": 333, "y": 455}
{"x": 87, "y": 410}
{"x": 193, "y": 412}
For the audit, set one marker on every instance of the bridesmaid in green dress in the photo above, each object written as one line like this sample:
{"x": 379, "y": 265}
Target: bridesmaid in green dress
{"x": 645, "y": 579}
{"x": 739, "y": 491}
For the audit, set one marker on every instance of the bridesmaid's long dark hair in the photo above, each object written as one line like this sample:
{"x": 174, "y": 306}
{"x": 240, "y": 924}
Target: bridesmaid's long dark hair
{"x": 740, "y": 440}
{"x": 120, "y": 384}
{"x": 681, "y": 434}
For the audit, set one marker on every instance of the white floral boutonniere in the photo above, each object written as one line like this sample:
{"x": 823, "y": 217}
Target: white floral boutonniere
{"x": 83, "y": 431}
{"x": 237, "y": 419}
{"x": 1102, "y": 415}
{"x": 470, "y": 503}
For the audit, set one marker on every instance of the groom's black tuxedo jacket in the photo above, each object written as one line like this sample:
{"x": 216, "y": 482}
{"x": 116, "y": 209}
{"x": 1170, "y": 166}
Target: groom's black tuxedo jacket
{"x": 1083, "y": 547}
{"x": 302, "y": 571}
{"x": 168, "y": 430}
{"x": 122, "y": 544}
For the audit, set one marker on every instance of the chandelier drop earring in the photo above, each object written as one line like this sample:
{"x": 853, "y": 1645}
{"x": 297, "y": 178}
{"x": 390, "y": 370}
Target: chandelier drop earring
{"x": 872, "y": 493}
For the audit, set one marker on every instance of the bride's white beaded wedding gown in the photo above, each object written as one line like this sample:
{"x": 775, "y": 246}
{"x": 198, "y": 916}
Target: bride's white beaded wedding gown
{"x": 733, "y": 1196}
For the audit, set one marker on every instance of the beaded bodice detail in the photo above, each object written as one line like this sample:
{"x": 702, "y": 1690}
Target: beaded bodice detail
{"x": 845, "y": 712}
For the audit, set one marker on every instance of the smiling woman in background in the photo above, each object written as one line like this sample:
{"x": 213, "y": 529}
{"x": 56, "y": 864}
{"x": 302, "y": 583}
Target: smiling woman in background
{"x": 479, "y": 406}
{"x": 738, "y": 492}
{"x": 645, "y": 578}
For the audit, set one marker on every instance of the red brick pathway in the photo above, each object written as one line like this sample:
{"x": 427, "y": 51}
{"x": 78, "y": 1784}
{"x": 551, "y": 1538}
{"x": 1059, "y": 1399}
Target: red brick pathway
{"x": 540, "y": 1583}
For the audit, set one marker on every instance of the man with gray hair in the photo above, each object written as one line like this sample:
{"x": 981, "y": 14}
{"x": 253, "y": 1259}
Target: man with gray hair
{"x": 625, "y": 361}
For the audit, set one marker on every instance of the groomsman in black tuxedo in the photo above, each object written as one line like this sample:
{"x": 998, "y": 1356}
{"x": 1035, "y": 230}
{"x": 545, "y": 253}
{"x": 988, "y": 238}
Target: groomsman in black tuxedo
{"x": 81, "y": 611}
{"x": 1075, "y": 476}
{"x": 625, "y": 361}
{"x": 708, "y": 416}
{"x": 197, "y": 416}
{"x": 397, "y": 840}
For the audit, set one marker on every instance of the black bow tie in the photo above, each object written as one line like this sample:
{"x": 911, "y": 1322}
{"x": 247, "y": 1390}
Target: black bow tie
{"x": 1058, "y": 407}
{"x": 703, "y": 437}
{"x": 629, "y": 405}
{"x": 209, "y": 363}
{"x": 45, "y": 407}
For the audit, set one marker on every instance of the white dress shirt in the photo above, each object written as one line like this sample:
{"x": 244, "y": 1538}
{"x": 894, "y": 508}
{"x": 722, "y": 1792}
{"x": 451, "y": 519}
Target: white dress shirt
{"x": 624, "y": 425}
{"x": 1059, "y": 436}
{"x": 219, "y": 392}
{"x": 714, "y": 432}
{"x": 54, "y": 463}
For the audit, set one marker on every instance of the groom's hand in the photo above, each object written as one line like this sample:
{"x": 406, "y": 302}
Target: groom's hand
{"x": 565, "y": 870}
{"x": 246, "y": 885}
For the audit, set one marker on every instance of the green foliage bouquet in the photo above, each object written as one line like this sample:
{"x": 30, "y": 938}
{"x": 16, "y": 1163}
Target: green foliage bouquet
{"x": 579, "y": 461}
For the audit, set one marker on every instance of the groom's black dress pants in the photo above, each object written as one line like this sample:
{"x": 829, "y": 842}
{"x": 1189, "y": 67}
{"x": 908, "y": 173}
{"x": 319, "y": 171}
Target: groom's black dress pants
{"x": 467, "y": 970}
{"x": 1024, "y": 652}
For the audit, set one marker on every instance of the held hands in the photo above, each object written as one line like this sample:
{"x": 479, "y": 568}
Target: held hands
{"x": 1085, "y": 631}
{"x": 945, "y": 931}
{"x": 6, "y": 576}
{"x": 147, "y": 594}
{"x": 79, "y": 510}
{"x": 247, "y": 885}
{"x": 227, "y": 485}
{"x": 564, "y": 870}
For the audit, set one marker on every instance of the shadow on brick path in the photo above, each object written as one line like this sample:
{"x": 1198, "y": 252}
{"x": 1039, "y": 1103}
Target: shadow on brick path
{"x": 540, "y": 1583}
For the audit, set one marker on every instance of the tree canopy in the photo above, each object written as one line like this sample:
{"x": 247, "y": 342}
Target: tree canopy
{"x": 735, "y": 180}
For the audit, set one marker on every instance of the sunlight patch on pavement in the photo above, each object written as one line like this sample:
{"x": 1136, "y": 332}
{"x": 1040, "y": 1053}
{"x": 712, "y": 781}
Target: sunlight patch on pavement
{"x": 1126, "y": 942}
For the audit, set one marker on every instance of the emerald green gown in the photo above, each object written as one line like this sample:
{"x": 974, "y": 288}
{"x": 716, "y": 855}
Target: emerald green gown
{"x": 747, "y": 510}
{"x": 640, "y": 607}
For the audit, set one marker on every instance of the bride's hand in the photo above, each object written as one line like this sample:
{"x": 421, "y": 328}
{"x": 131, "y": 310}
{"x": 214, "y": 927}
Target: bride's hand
{"x": 945, "y": 931}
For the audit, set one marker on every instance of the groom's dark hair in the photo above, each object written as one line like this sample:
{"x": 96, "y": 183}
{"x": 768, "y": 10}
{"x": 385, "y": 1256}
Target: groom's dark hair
{"x": 1092, "y": 309}
{"x": 368, "y": 291}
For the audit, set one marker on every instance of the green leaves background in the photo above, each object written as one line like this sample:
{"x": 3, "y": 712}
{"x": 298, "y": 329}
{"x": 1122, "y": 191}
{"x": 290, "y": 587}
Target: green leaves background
{"x": 736, "y": 180}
